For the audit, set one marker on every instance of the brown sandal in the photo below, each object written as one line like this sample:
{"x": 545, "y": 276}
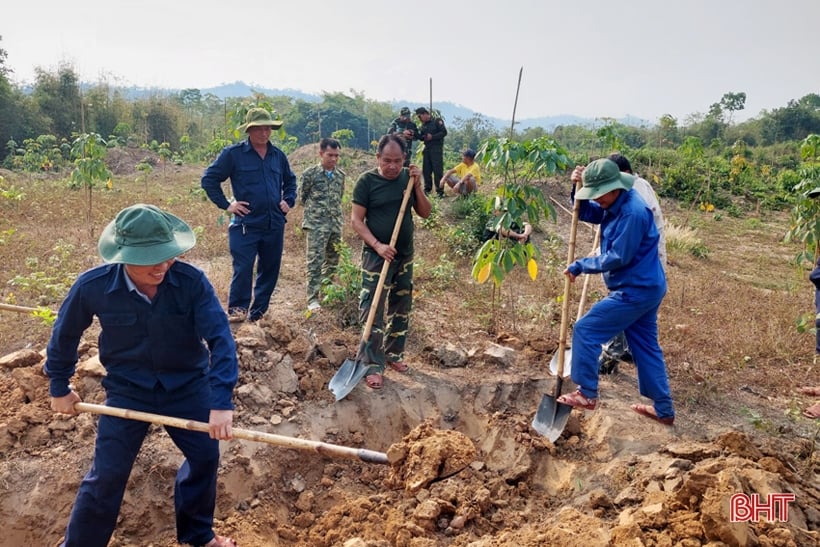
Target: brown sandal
{"x": 649, "y": 412}
{"x": 813, "y": 411}
{"x": 374, "y": 381}
{"x": 577, "y": 400}
{"x": 398, "y": 366}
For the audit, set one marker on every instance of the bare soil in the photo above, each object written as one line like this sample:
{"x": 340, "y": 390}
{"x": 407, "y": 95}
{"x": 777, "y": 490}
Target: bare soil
{"x": 466, "y": 468}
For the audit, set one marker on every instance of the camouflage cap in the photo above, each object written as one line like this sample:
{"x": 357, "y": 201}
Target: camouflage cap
{"x": 404, "y": 112}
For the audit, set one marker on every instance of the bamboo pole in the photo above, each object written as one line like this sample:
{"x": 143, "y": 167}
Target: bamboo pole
{"x": 324, "y": 449}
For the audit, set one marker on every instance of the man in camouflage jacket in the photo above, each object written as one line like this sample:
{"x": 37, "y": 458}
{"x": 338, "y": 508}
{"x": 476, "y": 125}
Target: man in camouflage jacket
{"x": 320, "y": 192}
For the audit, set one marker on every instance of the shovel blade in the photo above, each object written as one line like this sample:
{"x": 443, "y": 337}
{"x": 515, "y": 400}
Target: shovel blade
{"x": 551, "y": 418}
{"x": 567, "y": 363}
{"x": 347, "y": 377}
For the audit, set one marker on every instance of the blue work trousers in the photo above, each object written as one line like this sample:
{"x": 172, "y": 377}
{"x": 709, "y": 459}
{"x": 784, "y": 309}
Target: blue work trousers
{"x": 119, "y": 440}
{"x": 246, "y": 244}
{"x": 636, "y": 313}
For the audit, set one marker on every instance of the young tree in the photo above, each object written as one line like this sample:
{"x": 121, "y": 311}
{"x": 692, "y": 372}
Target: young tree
{"x": 88, "y": 151}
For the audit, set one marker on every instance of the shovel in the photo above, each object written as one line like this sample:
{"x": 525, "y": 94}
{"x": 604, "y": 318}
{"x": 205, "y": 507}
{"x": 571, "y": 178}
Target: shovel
{"x": 353, "y": 370}
{"x": 551, "y": 416}
{"x": 325, "y": 449}
{"x": 581, "y": 303}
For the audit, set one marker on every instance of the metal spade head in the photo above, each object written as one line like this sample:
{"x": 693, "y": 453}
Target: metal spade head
{"x": 567, "y": 363}
{"x": 347, "y": 377}
{"x": 551, "y": 418}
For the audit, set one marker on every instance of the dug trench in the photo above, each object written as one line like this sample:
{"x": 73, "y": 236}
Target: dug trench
{"x": 466, "y": 469}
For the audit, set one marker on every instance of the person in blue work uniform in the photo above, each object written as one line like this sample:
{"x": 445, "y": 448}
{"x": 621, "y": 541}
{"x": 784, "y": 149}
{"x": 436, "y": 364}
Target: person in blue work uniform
{"x": 167, "y": 349}
{"x": 264, "y": 190}
{"x": 633, "y": 274}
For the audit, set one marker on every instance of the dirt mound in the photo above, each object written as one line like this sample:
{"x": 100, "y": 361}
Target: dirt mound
{"x": 471, "y": 472}
{"x": 124, "y": 160}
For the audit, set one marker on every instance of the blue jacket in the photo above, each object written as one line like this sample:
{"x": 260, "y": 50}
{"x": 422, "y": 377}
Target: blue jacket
{"x": 182, "y": 335}
{"x": 629, "y": 244}
{"x": 263, "y": 183}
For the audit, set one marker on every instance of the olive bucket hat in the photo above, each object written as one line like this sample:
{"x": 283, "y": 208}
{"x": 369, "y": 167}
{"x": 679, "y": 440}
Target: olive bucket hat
{"x": 144, "y": 235}
{"x": 259, "y": 117}
{"x": 602, "y": 176}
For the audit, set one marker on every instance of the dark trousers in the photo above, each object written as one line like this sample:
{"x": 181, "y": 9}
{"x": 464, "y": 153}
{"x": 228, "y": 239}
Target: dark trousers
{"x": 433, "y": 166}
{"x": 119, "y": 440}
{"x": 264, "y": 248}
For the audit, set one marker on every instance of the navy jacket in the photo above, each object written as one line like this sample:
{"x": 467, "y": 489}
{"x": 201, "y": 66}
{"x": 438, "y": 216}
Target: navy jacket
{"x": 263, "y": 183}
{"x": 181, "y": 336}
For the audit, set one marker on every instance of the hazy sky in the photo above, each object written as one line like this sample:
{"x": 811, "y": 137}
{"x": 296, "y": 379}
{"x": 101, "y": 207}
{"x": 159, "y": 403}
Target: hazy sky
{"x": 592, "y": 58}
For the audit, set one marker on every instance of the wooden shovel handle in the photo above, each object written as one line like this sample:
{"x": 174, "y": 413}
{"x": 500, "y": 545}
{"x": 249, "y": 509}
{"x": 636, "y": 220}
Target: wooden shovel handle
{"x": 562, "y": 333}
{"x": 324, "y": 449}
{"x": 20, "y": 309}
{"x": 583, "y": 300}
{"x": 371, "y": 315}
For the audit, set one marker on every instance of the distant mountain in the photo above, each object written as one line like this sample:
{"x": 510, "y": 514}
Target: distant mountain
{"x": 449, "y": 110}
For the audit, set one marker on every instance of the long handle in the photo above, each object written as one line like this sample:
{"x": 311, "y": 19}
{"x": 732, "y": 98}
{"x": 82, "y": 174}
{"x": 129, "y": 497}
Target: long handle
{"x": 562, "y": 333}
{"x": 325, "y": 449}
{"x": 371, "y": 315}
{"x": 582, "y": 302}
{"x": 21, "y": 309}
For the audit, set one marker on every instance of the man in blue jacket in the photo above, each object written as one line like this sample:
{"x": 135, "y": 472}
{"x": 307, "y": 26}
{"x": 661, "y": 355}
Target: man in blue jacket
{"x": 167, "y": 349}
{"x": 632, "y": 272}
{"x": 264, "y": 190}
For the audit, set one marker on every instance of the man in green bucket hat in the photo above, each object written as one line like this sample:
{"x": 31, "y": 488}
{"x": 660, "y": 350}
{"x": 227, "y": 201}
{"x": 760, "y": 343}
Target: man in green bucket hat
{"x": 167, "y": 349}
{"x": 632, "y": 272}
{"x": 264, "y": 190}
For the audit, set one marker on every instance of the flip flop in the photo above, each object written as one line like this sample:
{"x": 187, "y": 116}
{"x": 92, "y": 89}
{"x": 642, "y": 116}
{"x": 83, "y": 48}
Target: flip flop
{"x": 398, "y": 366}
{"x": 649, "y": 412}
{"x": 374, "y": 381}
{"x": 809, "y": 390}
{"x": 577, "y": 399}
{"x": 813, "y": 411}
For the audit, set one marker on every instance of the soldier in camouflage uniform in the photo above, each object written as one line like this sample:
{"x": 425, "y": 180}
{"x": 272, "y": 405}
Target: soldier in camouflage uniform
{"x": 320, "y": 192}
{"x": 406, "y": 127}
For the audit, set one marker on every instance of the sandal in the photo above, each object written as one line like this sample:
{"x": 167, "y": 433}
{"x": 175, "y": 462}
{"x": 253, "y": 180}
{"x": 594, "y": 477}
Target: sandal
{"x": 813, "y": 411}
{"x": 221, "y": 541}
{"x": 809, "y": 390}
{"x": 577, "y": 400}
{"x": 398, "y": 366}
{"x": 649, "y": 412}
{"x": 374, "y": 381}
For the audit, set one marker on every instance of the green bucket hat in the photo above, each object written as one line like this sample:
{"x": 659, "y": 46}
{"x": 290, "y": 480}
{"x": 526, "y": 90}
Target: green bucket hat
{"x": 144, "y": 235}
{"x": 259, "y": 117}
{"x": 602, "y": 176}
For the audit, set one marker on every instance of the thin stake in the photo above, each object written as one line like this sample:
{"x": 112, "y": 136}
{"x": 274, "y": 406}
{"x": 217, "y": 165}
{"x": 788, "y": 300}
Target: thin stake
{"x": 515, "y": 105}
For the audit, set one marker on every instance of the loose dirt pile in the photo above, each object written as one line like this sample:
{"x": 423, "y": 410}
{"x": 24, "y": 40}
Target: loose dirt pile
{"x": 470, "y": 473}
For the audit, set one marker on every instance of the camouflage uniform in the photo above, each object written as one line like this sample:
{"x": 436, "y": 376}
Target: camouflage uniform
{"x": 398, "y": 126}
{"x": 398, "y": 285}
{"x": 321, "y": 193}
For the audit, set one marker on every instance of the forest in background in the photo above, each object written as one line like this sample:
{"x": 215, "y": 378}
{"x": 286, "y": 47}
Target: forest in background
{"x": 707, "y": 159}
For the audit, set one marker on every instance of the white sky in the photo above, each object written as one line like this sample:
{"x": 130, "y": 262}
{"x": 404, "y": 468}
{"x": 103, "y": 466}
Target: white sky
{"x": 591, "y": 58}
